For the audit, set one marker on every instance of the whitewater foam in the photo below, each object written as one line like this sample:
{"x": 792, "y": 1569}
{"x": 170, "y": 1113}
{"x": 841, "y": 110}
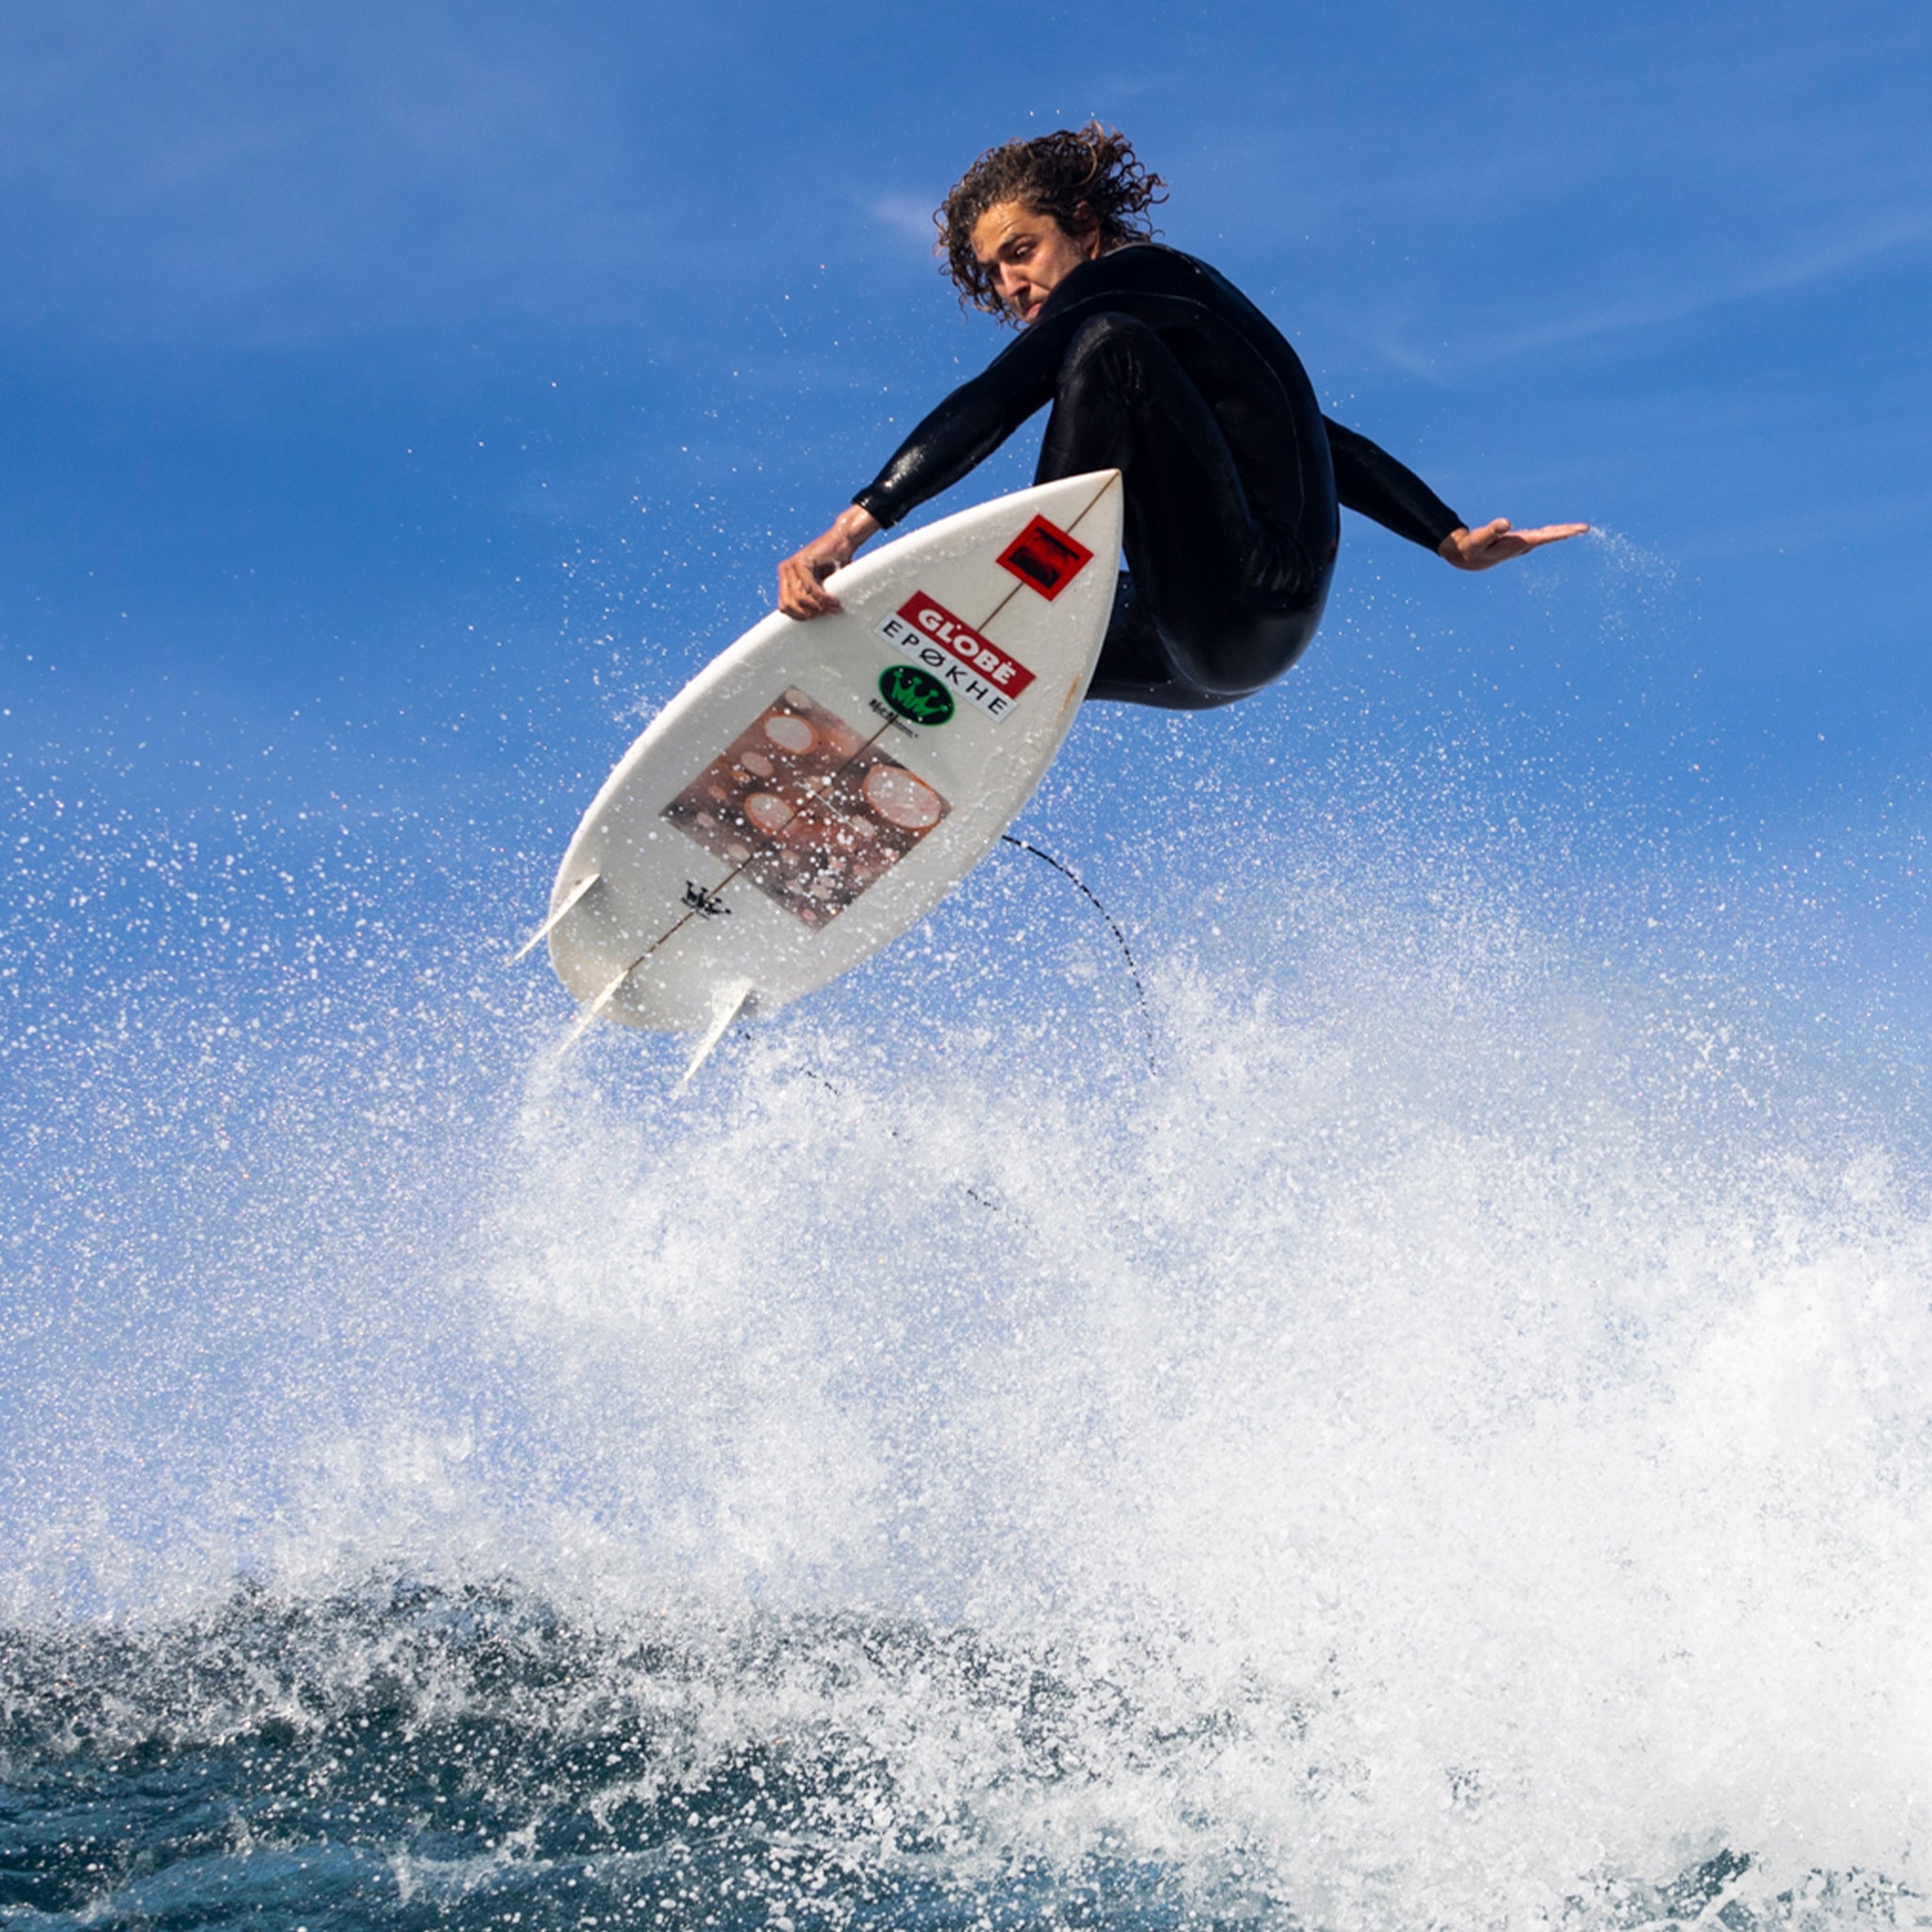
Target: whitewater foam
{"x": 1442, "y": 1446}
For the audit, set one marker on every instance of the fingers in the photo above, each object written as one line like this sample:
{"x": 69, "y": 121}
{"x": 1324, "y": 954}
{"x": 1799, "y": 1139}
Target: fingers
{"x": 801, "y": 586}
{"x": 807, "y": 603}
{"x": 800, "y": 592}
{"x": 1496, "y": 542}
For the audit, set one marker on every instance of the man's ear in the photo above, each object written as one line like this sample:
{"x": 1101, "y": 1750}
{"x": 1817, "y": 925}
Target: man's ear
{"x": 1086, "y": 227}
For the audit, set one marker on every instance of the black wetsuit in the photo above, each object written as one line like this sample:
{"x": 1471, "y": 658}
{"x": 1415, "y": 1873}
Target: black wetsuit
{"x": 1160, "y": 368}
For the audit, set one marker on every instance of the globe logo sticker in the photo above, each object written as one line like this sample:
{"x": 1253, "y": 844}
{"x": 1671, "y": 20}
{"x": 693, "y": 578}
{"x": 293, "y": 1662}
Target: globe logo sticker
{"x": 915, "y": 694}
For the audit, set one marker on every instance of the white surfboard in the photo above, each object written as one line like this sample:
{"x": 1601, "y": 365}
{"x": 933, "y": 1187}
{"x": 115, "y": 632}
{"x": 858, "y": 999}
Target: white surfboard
{"x": 818, "y": 788}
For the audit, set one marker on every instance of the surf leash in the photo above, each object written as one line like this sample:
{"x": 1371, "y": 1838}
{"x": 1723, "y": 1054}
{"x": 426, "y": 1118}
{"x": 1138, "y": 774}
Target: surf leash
{"x": 1113, "y": 925}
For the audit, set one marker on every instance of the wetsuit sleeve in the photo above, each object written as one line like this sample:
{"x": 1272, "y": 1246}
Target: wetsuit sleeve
{"x": 970, "y": 424}
{"x": 1370, "y": 481}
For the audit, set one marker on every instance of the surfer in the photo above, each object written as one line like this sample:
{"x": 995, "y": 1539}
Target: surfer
{"x": 1159, "y": 367}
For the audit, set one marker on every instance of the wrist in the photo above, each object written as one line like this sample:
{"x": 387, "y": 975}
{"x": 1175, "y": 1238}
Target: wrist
{"x": 854, "y": 526}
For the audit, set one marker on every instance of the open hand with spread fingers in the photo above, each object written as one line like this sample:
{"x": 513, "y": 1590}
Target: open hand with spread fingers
{"x": 1496, "y": 542}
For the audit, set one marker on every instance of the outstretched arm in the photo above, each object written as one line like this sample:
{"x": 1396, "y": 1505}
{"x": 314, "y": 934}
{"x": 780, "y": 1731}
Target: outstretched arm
{"x": 1370, "y": 480}
{"x": 1496, "y": 542}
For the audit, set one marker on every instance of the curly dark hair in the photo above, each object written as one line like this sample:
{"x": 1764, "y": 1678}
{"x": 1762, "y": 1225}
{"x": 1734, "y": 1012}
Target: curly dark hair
{"x": 1074, "y": 174}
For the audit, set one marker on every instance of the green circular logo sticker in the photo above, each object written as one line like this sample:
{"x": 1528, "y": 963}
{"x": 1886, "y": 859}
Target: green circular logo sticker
{"x": 916, "y": 694}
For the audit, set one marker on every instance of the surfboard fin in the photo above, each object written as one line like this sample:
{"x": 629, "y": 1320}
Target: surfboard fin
{"x": 590, "y": 1014}
{"x": 733, "y": 998}
{"x": 555, "y": 918}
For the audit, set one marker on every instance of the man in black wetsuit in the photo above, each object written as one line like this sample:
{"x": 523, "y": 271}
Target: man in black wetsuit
{"x": 1159, "y": 367}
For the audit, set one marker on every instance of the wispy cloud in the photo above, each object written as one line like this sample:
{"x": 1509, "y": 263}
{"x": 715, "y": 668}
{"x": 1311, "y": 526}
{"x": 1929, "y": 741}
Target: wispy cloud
{"x": 1815, "y": 264}
{"x": 1819, "y": 262}
{"x": 908, "y": 216}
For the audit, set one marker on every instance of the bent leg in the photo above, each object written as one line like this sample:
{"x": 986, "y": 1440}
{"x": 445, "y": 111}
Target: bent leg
{"x": 1213, "y": 608}
{"x": 1137, "y": 666}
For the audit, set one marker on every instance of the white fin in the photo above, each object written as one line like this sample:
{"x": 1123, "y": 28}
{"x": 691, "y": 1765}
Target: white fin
{"x": 733, "y": 997}
{"x": 555, "y": 918}
{"x": 597, "y": 1005}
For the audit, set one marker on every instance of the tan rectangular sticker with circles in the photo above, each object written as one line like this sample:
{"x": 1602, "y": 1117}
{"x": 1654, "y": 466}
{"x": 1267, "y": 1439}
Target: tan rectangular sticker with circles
{"x": 806, "y": 809}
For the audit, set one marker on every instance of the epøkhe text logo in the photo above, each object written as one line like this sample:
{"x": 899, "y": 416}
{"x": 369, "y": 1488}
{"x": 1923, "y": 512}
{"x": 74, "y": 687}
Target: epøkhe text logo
{"x": 966, "y": 663}
{"x": 916, "y": 694}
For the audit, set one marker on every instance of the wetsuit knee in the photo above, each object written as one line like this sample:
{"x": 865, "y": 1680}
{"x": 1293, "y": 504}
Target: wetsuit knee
{"x": 1205, "y": 654}
{"x": 1240, "y": 652}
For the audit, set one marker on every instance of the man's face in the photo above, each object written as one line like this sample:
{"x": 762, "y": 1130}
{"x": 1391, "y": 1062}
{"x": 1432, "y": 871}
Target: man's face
{"x": 1028, "y": 255}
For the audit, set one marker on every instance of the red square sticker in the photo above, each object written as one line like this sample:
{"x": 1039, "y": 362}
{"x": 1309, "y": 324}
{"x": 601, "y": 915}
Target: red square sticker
{"x": 1044, "y": 557}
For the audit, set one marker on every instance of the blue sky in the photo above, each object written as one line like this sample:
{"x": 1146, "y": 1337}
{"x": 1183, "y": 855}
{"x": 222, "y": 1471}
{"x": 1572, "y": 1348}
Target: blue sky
{"x": 402, "y": 401}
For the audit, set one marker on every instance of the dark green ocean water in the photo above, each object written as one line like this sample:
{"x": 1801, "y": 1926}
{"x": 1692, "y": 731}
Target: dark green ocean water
{"x": 404, "y": 1756}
